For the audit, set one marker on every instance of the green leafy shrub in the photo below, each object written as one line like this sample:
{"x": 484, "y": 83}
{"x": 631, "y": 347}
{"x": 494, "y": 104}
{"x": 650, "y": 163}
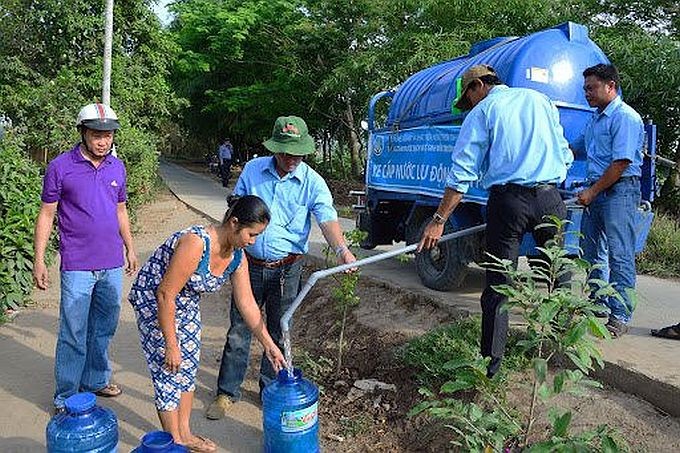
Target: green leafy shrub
{"x": 19, "y": 206}
{"x": 560, "y": 322}
{"x": 137, "y": 148}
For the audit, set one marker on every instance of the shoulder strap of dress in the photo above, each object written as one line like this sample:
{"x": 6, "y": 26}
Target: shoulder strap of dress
{"x": 205, "y": 258}
{"x": 235, "y": 262}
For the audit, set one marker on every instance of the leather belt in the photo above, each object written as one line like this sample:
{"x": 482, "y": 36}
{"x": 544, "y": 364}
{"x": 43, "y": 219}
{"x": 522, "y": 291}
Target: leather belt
{"x": 290, "y": 259}
{"x": 515, "y": 188}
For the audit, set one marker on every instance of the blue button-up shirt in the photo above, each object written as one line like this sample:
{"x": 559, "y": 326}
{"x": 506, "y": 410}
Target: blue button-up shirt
{"x": 615, "y": 133}
{"x": 224, "y": 151}
{"x": 512, "y": 136}
{"x": 291, "y": 199}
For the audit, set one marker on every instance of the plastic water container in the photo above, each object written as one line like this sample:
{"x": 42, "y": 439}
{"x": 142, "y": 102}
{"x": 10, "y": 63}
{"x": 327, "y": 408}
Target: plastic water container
{"x": 83, "y": 427}
{"x": 290, "y": 414}
{"x": 159, "y": 442}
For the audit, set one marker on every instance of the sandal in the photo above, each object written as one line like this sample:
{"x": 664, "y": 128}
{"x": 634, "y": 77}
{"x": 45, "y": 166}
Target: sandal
{"x": 110, "y": 391}
{"x": 670, "y": 332}
{"x": 203, "y": 445}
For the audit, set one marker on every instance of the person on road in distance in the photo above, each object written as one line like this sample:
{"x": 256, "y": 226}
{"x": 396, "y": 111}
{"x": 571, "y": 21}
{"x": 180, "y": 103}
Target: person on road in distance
{"x": 512, "y": 144}
{"x": 85, "y": 188}
{"x": 294, "y": 192}
{"x": 224, "y": 153}
{"x": 166, "y": 295}
{"x": 613, "y": 139}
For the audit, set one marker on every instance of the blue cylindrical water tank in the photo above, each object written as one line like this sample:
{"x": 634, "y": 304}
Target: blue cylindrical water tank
{"x": 290, "y": 414}
{"x": 550, "y": 61}
{"x": 83, "y": 427}
{"x": 159, "y": 442}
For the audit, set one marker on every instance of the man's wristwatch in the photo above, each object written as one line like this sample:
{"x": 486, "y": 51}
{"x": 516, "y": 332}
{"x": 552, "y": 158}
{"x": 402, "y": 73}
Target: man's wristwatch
{"x": 438, "y": 219}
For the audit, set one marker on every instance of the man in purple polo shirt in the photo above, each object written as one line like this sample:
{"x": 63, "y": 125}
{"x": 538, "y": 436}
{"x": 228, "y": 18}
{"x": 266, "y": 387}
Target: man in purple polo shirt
{"x": 85, "y": 189}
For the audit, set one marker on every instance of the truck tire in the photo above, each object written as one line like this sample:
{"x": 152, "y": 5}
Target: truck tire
{"x": 414, "y": 228}
{"x": 445, "y": 266}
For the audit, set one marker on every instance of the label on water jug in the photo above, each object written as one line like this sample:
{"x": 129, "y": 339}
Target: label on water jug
{"x": 299, "y": 420}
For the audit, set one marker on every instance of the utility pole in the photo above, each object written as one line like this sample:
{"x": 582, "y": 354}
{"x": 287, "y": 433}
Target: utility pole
{"x": 108, "y": 39}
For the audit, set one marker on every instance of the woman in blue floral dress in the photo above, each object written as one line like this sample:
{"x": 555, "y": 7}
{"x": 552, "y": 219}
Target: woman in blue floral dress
{"x": 165, "y": 297}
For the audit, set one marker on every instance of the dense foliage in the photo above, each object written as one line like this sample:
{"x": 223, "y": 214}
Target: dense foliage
{"x": 242, "y": 63}
{"x": 49, "y": 69}
{"x": 19, "y": 203}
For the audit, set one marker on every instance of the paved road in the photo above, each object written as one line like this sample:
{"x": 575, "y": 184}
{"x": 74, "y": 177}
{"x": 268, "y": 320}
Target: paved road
{"x": 636, "y": 363}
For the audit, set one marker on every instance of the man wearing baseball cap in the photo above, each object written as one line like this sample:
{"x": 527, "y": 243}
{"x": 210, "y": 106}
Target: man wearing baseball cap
{"x": 294, "y": 192}
{"x": 512, "y": 144}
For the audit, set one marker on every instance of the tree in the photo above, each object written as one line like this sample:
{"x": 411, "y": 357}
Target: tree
{"x": 244, "y": 63}
{"x": 52, "y": 67}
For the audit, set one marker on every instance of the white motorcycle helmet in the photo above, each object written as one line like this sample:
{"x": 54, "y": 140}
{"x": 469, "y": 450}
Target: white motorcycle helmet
{"x": 99, "y": 117}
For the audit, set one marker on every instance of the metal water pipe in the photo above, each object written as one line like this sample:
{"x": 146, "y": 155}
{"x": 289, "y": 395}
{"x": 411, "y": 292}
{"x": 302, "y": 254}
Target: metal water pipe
{"x": 285, "y": 319}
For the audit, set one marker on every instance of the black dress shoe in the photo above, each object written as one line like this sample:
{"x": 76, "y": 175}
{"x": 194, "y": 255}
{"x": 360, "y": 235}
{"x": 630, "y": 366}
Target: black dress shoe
{"x": 494, "y": 367}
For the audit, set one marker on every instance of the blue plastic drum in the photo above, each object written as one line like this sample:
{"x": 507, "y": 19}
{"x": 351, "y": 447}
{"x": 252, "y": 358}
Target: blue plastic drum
{"x": 159, "y": 442}
{"x": 83, "y": 427}
{"x": 290, "y": 415}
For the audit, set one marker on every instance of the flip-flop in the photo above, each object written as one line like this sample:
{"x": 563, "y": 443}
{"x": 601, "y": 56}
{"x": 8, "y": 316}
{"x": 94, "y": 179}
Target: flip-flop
{"x": 670, "y": 332}
{"x": 110, "y": 391}
{"x": 204, "y": 445}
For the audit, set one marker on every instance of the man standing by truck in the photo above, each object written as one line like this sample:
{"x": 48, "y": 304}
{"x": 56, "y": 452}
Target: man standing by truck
{"x": 613, "y": 140}
{"x": 512, "y": 144}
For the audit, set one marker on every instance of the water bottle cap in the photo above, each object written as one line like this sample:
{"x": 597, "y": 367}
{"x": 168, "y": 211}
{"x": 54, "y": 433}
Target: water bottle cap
{"x": 156, "y": 441}
{"x": 284, "y": 376}
{"x": 80, "y": 402}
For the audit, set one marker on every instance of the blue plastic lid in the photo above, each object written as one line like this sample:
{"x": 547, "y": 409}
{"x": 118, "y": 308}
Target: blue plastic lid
{"x": 284, "y": 377}
{"x": 156, "y": 441}
{"x": 80, "y": 402}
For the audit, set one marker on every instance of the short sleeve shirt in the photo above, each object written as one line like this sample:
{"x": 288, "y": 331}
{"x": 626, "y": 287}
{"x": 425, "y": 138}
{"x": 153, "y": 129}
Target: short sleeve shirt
{"x": 292, "y": 200}
{"x": 615, "y": 133}
{"x": 87, "y": 210}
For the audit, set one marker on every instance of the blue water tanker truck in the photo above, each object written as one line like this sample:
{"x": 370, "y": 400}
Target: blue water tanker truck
{"x": 409, "y": 152}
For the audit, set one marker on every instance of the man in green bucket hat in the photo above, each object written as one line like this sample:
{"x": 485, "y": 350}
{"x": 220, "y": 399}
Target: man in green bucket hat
{"x": 294, "y": 192}
{"x": 290, "y": 136}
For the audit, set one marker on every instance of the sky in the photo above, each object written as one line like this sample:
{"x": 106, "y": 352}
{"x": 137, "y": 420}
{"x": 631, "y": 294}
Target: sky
{"x": 162, "y": 12}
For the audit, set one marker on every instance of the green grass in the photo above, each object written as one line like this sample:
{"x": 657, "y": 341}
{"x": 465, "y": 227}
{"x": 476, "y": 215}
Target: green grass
{"x": 430, "y": 353}
{"x": 661, "y": 256}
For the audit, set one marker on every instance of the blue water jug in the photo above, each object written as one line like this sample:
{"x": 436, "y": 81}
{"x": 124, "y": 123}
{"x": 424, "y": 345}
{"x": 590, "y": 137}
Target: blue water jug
{"x": 159, "y": 442}
{"x": 83, "y": 427}
{"x": 290, "y": 414}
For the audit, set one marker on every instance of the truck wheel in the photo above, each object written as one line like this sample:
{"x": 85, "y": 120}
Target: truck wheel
{"x": 444, "y": 266}
{"x": 414, "y": 228}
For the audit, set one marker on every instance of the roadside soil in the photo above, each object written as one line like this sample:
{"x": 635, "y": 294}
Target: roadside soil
{"x": 385, "y": 319}
{"x": 377, "y": 421}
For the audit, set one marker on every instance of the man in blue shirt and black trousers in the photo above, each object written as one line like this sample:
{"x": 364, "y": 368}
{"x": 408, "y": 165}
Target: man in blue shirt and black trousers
{"x": 511, "y": 143}
{"x": 294, "y": 192}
